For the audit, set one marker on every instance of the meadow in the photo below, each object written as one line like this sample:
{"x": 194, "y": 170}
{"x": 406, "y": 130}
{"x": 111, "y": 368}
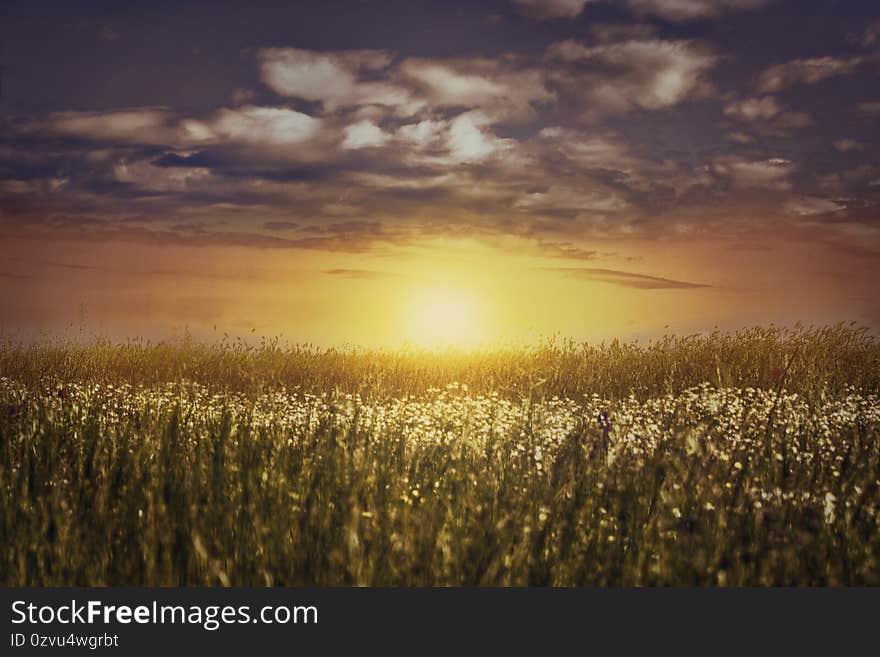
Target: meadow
{"x": 747, "y": 458}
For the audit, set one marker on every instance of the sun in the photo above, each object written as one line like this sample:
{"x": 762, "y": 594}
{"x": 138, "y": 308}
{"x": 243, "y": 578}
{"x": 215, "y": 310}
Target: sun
{"x": 444, "y": 316}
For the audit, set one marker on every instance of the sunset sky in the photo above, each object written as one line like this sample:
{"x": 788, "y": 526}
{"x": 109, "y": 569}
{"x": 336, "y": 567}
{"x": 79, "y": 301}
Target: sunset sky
{"x": 377, "y": 172}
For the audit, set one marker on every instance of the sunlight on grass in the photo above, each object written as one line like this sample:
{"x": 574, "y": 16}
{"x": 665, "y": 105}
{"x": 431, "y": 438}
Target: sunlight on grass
{"x": 728, "y": 459}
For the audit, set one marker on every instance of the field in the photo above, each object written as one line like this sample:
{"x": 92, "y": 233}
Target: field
{"x": 726, "y": 459}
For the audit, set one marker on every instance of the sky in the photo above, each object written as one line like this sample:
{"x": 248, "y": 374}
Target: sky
{"x": 386, "y": 172}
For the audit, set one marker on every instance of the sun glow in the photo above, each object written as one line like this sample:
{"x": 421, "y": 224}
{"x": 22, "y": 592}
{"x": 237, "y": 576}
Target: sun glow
{"x": 444, "y": 316}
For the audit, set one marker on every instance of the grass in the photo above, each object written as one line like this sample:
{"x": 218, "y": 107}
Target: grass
{"x": 750, "y": 458}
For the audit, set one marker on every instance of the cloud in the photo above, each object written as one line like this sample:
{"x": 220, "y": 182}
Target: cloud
{"x": 250, "y": 124}
{"x": 740, "y": 137}
{"x": 141, "y": 125}
{"x": 621, "y": 77}
{"x": 32, "y": 186}
{"x": 241, "y": 96}
{"x": 754, "y": 109}
{"x": 146, "y": 175}
{"x": 742, "y": 173}
{"x": 671, "y": 10}
{"x": 567, "y": 251}
{"x": 335, "y": 79}
{"x": 369, "y": 274}
{"x": 424, "y": 133}
{"x": 128, "y": 271}
{"x": 616, "y": 32}
{"x": 363, "y": 134}
{"x": 871, "y": 36}
{"x": 497, "y": 86}
{"x": 280, "y": 225}
{"x": 687, "y": 10}
{"x": 869, "y": 108}
{"x": 590, "y": 150}
{"x": 806, "y": 71}
{"x": 355, "y": 237}
{"x": 371, "y": 78}
{"x": 847, "y": 144}
{"x": 553, "y": 143}
{"x": 245, "y": 125}
{"x": 812, "y": 205}
{"x": 574, "y": 200}
{"x": 469, "y": 141}
{"x": 14, "y": 276}
{"x": 626, "y": 279}
{"x": 547, "y": 9}
{"x": 467, "y": 138}
{"x": 767, "y": 113}
{"x": 604, "y": 161}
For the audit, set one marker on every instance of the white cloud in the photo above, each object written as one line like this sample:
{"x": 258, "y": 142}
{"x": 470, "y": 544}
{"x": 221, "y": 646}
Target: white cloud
{"x": 363, "y": 134}
{"x": 422, "y": 134}
{"x": 365, "y": 78}
{"x": 250, "y": 124}
{"x": 638, "y": 74}
{"x": 333, "y": 78}
{"x": 753, "y": 109}
{"x": 469, "y": 141}
{"x": 806, "y": 71}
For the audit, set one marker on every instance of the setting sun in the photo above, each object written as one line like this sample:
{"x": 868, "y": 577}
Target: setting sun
{"x": 444, "y": 316}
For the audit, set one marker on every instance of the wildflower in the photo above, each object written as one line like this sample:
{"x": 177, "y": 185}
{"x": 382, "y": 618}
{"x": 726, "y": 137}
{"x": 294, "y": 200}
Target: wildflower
{"x": 829, "y": 509}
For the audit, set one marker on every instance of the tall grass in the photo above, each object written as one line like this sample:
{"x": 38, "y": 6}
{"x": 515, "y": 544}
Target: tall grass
{"x": 824, "y": 358}
{"x": 727, "y": 459}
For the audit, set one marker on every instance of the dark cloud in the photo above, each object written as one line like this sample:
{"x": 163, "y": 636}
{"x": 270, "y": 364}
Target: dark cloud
{"x": 626, "y": 279}
{"x": 550, "y": 9}
{"x": 14, "y": 276}
{"x": 280, "y": 225}
{"x": 360, "y": 273}
{"x": 351, "y": 240}
{"x": 567, "y": 251}
{"x": 135, "y": 271}
{"x": 689, "y": 10}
